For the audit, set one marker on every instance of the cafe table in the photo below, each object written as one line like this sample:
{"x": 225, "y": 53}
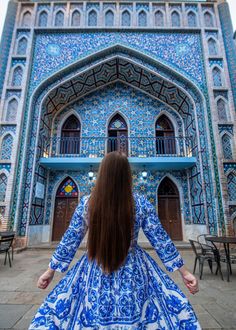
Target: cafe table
{"x": 226, "y": 241}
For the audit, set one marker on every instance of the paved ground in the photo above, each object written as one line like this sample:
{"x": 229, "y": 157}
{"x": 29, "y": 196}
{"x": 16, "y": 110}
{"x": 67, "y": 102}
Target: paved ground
{"x": 215, "y": 304}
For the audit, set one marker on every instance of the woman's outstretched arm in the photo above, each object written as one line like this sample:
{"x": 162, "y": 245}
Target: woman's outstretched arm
{"x": 164, "y": 246}
{"x": 68, "y": 245}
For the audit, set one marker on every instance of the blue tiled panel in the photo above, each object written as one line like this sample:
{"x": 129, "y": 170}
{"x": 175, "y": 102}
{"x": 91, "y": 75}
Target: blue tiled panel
{"x": 6, "y": 40}
{"x": 230, "y": 48}
{"x": 181, "y": 51}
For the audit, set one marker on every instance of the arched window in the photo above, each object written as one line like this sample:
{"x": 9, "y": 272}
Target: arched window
{"x": 165, "y": 136}
{"x": 3, "y": 187}
{"x": 92, "y": 18}
{"x": 12, "y": 110}
{"x": 109, "y": 18}
{"x": 126, "y": 18}
{"x": 70, "y": 136}
{"x": 22, "y": 46}
{"x": 175, "y": 18}
{"x": 212, "y": 47}
{"x": 142, "y": 18}
{"x": 118, "y": 134}
{"x": 75, "y": 21}
{"x": 59, "y": 18}
{"x": 227, "y": 147}
{"x": 159, "y": 18}
{"x": 26, "y": 19}
{"x": 67, "y": 188}
{"x": 217, "y": 79}
{"x": 43, "y": 19}
{"x": 222, "y": 109}
{"x": 192, "y": 19}
{"x": 231, "y": 180}
{"x": 208, "y": 19}
{"x": 6, "y": 148}
{"x": 17, "y": 76}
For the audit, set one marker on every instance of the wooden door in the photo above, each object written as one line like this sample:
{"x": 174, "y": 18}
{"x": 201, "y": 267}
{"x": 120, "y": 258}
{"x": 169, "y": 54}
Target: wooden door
{"x": 64, "y": 209}
{"x": 169, "y": 209}
{"x": 169, "y": 214}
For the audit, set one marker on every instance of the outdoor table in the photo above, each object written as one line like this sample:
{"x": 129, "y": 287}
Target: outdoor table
{"x": 226, "y": 241}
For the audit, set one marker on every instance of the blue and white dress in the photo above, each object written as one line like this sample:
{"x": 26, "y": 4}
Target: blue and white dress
{"x": 137, "y": 296}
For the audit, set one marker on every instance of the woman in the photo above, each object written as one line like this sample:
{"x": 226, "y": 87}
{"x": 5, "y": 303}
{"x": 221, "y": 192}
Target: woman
{"x": 116, "y": 284}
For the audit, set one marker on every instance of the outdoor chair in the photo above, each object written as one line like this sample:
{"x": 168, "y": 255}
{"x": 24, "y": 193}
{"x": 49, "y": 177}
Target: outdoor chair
{"x": 217, "y": 246}
{"x": 5, "y": 245}
{"x": 9, "y": 234}
{"x": 204, "y": 253}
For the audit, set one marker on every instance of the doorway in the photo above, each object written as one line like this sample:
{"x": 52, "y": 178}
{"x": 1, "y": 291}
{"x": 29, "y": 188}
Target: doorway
{"x": 169, "y": 209}
{"x": 65, "y": 205}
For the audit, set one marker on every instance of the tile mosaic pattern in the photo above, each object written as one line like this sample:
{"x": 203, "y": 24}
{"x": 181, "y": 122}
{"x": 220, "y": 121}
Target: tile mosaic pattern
{"x": 6, "y": 40}
{"x": 197, "y": 194}
{"x": 180, "y": 51}
{"x": 7, "y": 167}
{"x": 230, "y": 47}
{"x": 6, "y": 147}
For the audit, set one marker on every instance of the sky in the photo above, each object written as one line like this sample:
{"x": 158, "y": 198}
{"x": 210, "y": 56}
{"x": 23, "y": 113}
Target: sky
{"x": 3, "y": 9}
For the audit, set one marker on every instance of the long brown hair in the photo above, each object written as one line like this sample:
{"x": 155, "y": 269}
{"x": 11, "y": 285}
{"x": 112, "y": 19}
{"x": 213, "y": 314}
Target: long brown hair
{"x": 111, "y": 213}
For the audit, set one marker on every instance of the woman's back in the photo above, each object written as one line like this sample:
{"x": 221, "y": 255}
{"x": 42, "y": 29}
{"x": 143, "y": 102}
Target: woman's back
{"x": 116, "y": 284}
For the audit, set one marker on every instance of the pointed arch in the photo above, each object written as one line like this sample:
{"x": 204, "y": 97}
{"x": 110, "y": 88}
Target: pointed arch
{"x": 3, "y": 186}
{"x": 208, "y": 19}
{"x": 43, "y": 18}
{"x": 212, "y": 46}
{"x": 222, "y": 108}
{"x": 159, "y": 18}
{"x": 142, "y": 18}
{"x": 117, "y": 134}
{"x": 11, "y": 110}
{"x": 217, "y": 77}
{"x": 165, "y": 136}
{"x": 17, "y": 75}
{"x": 175, "y": 18}
{"x": 192, "y": 18}
{"x": 22, "y": 46}
{"x": 169, "y": 211}
{"x": 70, "y": 136}
{"x": 6, "y": 147}
{"x": 109, "y": 18}
{"x": 26, "y": 19}
{"x": 231, "y": 184}
{"x": 126, "y": 18}
{"x": 76, "y": 18}
{"x": 226, "y": 142}
{"x": 59, "y": 18}
{"x": 92, "y": 18}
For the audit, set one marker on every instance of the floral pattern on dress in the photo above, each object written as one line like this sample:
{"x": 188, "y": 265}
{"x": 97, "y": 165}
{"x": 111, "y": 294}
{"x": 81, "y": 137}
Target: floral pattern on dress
{"x": 140, "y": 295}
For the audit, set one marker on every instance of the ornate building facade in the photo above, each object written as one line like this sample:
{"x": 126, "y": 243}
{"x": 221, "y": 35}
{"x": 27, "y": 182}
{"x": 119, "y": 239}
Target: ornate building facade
{"x": 154, "y": 79}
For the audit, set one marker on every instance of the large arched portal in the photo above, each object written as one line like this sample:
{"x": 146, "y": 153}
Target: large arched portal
{"x": 138, "y": 71}
{"x": 169, "y": 208}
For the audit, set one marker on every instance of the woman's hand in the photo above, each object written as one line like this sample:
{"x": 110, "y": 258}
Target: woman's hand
{"x": 189, "y": 280}
{"x": 45, "y": 279}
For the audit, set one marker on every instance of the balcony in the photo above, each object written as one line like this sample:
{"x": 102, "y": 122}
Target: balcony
{"x": 155, "y": 153}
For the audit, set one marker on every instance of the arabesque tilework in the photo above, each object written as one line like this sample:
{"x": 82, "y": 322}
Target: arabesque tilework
{"x": 140, "y": 71}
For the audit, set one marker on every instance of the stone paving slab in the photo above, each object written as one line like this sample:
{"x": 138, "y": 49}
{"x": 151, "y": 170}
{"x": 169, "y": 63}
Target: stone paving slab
{"x": 214, "y": 305}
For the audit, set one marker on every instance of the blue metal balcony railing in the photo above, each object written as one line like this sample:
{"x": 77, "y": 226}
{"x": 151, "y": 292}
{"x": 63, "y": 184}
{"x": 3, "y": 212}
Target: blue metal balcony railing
{"x": 133, "y": 146}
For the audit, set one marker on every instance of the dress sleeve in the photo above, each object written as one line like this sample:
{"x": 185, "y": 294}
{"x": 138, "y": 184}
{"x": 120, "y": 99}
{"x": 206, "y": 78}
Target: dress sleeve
{"x": 159, "y": 238}
{"x": 71, "y": 240}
